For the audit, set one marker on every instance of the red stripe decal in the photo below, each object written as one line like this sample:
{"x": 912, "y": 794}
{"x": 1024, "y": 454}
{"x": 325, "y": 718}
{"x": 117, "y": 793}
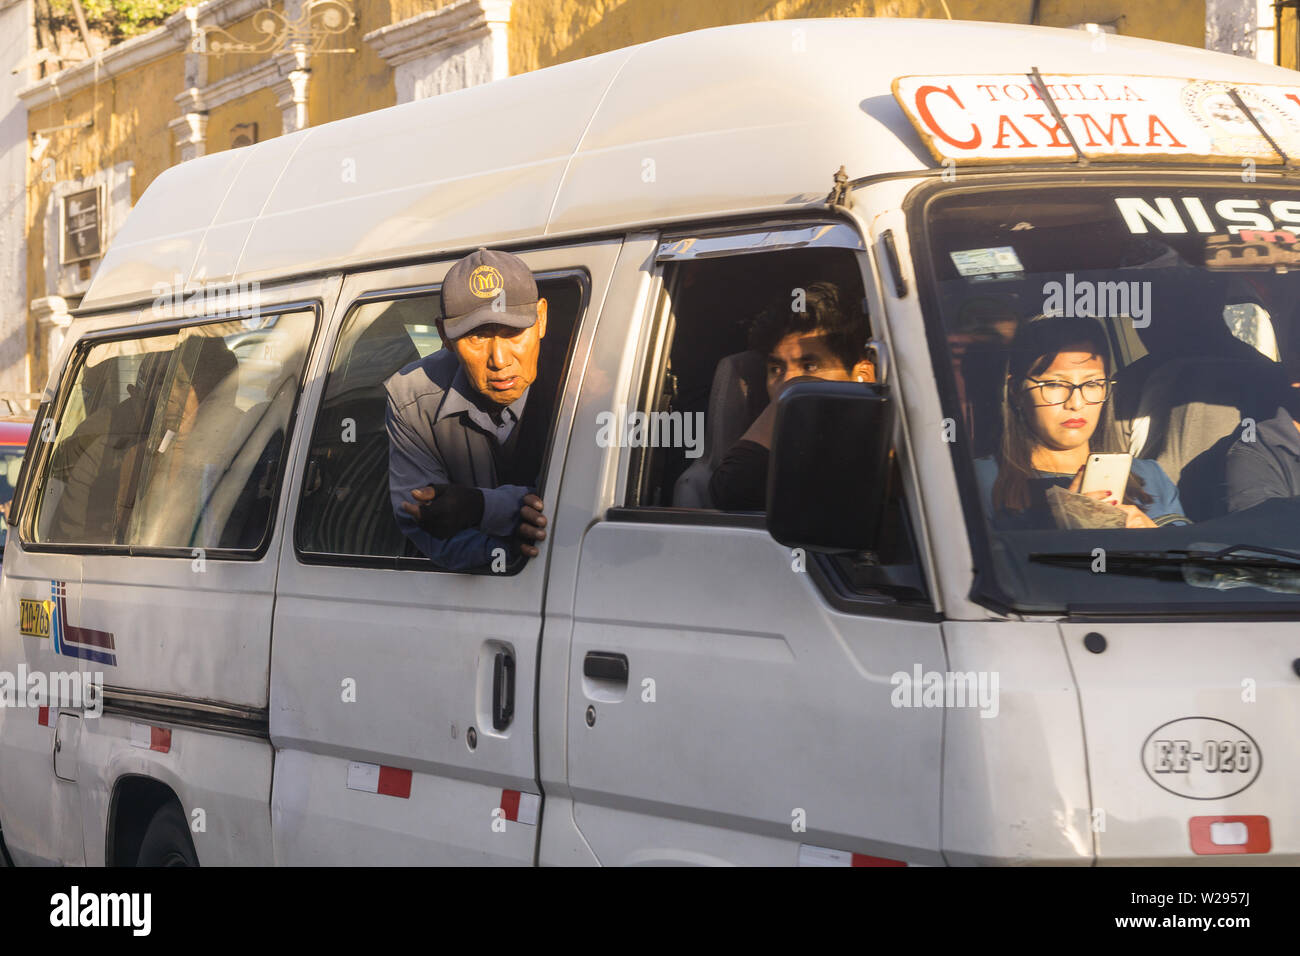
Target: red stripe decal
{"x": 1257, "y": 839}
{"x": 394, "y": 782}
{"x": 861, "y": 859}
{"x": 43, "y": 716}
{"x": 88, "y": 635}
{"x": 510, "y": 804}
{"x": 160, "y": 739}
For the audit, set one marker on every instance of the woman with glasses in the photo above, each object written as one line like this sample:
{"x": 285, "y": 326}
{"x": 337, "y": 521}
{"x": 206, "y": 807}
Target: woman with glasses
{"x": 1056, "y": 414}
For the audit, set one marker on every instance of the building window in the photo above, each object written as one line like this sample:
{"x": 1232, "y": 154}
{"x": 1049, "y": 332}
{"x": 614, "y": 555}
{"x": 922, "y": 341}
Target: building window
{"x": 82, "y": 232}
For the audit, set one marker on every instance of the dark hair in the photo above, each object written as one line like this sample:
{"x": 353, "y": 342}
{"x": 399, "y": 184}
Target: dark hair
{"x": 825, "y": 313}
{"x": 1034, "y": 348}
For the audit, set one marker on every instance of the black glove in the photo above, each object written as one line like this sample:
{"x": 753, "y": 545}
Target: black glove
{"x": 453, "y": 509}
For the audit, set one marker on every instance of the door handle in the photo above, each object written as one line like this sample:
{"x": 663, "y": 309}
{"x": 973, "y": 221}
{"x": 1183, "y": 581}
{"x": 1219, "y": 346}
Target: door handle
{"x": 503, "y": 691}
{"x": 604, "y": 665}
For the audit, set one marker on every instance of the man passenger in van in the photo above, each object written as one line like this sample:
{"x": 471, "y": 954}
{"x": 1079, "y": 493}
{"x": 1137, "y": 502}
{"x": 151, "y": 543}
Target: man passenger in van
{"x": 826, "y": 341}
{"x": 1269, "y": 466}
{"x": 462, "y": 427}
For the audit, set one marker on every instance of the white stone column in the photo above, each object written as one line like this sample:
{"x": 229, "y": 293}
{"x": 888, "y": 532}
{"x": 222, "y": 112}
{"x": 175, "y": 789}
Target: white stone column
{"x": 497, "y": 14}
{"x": 52, "y": 320}
{"x": 457, "y": 46}
{"x": 191, "y": 127}
{"x": 291, "y": 91}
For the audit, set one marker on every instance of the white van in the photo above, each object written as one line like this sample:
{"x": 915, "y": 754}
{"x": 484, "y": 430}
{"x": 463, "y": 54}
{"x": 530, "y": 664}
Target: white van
{"x": 883, "y": 669}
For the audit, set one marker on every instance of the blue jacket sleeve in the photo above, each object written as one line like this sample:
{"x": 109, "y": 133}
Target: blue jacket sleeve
{"x": 412, "y": 464}
{"x": 501, "y": 509}
{"x": 1165, "y": 507}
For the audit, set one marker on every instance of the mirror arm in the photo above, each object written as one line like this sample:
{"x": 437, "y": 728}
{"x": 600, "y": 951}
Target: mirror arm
{"x": 877, "y": 347}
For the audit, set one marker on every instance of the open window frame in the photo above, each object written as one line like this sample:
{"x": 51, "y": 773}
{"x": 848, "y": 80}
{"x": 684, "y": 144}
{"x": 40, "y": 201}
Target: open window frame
{"x": 406, "y": 561}
{"x": 848, "y": 585}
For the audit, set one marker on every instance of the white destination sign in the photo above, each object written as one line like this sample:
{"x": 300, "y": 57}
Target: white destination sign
{"x": 1002, "y": 118}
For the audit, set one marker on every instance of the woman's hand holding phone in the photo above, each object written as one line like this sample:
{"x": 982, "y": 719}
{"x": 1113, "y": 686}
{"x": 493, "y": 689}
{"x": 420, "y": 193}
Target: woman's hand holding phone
{"x": 1134, "y": 517}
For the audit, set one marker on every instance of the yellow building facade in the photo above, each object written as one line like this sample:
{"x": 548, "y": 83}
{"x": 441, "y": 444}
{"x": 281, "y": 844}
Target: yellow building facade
{"x": 230, "y": 72}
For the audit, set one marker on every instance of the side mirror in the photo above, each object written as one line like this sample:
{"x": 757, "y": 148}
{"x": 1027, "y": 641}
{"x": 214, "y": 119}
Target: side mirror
{"x": 826, "y": 485}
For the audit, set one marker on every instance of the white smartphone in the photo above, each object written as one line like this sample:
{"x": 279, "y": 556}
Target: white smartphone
{"x": 1107, "y": 473}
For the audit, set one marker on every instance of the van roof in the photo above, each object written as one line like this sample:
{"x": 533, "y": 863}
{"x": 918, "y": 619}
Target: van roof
{"x": 738, "y": 118}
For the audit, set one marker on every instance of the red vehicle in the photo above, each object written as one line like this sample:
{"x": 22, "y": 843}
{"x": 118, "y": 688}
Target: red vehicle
{"x": 13, "y": 445}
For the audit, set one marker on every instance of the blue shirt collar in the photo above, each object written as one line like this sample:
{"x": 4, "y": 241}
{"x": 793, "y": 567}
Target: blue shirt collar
{"x": 462, "y": 397}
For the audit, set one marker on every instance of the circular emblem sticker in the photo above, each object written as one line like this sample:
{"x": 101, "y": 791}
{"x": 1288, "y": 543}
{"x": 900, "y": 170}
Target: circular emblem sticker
{"x": 485, "y": 282}
{"x": 1231, "y": 131}
{"x": 1201, "y": 758}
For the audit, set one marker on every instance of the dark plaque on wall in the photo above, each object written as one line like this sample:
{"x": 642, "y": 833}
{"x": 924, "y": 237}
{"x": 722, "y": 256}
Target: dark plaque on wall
{"x": 245, "y": 134}
{"x": 82, "y": 235}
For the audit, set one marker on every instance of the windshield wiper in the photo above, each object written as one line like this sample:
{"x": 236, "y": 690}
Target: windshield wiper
{"x": 1250, "y": 115}
{"x": 1202, "y": 566}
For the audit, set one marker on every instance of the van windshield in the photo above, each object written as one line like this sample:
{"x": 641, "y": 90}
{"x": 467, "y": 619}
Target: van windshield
{"x": 1122, "y": 376}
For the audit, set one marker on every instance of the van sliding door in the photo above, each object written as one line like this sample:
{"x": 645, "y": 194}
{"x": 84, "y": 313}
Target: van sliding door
{"x": 729, "y": 701}
{"x": 403, "y": 697}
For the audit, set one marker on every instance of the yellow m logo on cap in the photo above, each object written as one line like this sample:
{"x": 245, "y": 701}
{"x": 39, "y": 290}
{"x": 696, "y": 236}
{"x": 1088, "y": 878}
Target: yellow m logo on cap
{"x": 485, "y": 282}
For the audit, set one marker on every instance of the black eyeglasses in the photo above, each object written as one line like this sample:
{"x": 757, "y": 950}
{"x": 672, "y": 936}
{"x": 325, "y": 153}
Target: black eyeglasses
{"x": 1058, "y": 393}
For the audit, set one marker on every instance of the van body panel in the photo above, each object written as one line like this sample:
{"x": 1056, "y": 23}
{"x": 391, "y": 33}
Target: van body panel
{"x": 393, "y": 220}
{"x": 728, "y": 675}
{"x": 244, "y": 198}
{"x": 165, "y": 624}
{"x": 203, "y": 635}
{"x": 751, "y": 101}
{"x": 790, "y": 100}
{"x": 319, "y": 822}
{"x": 378, "y": 186}
{"x": 420, "y": 648}
{"x": 728, "y": 679}
{"x": 1190, "y": 719}
{"x": 221, "y": 781}
{"x": 40, "y": 813}
{"x": 1015, "y": 782}
{"x": 166, "y": 241}
{"x": 594, "y": 479}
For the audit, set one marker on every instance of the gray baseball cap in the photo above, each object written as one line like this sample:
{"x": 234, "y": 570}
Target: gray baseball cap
{"x": 488, "y": 287}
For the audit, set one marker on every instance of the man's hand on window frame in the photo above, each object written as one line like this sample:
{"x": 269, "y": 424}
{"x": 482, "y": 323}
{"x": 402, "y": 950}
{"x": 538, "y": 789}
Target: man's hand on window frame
{"x": 445, "y": 510}
{"x": 531, "y": 525}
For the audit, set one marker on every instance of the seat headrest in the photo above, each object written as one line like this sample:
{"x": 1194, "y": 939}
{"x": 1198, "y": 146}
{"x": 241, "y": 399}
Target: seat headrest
{"x": 738, "y": 395}
{"x": 1190, "y": 403}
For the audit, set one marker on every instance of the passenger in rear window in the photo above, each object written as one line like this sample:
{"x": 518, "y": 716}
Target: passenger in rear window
{"x": 1266, "y": 464}
{"x": 826, "y": 342}
{"x": 461, "y": 423}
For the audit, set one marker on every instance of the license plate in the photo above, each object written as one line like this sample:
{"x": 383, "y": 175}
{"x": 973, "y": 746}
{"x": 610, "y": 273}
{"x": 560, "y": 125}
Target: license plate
{"x": 34, "y": 618}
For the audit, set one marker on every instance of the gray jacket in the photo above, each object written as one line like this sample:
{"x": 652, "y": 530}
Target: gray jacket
{"x": 1268, "y": 467}
{"x": 440, "y": 431}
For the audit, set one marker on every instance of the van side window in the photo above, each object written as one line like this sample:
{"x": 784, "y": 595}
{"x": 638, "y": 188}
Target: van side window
{"x": 174, "y": 440}
{"x": 344, "y": 511}
{"x": 739, "y": 328}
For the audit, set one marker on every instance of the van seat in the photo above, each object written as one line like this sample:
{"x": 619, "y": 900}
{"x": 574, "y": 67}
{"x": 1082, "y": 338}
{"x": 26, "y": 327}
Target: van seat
{"x": 737, "y": 396}
{"x": 352, "y": 513}
{"x": 1190, "y": 414}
